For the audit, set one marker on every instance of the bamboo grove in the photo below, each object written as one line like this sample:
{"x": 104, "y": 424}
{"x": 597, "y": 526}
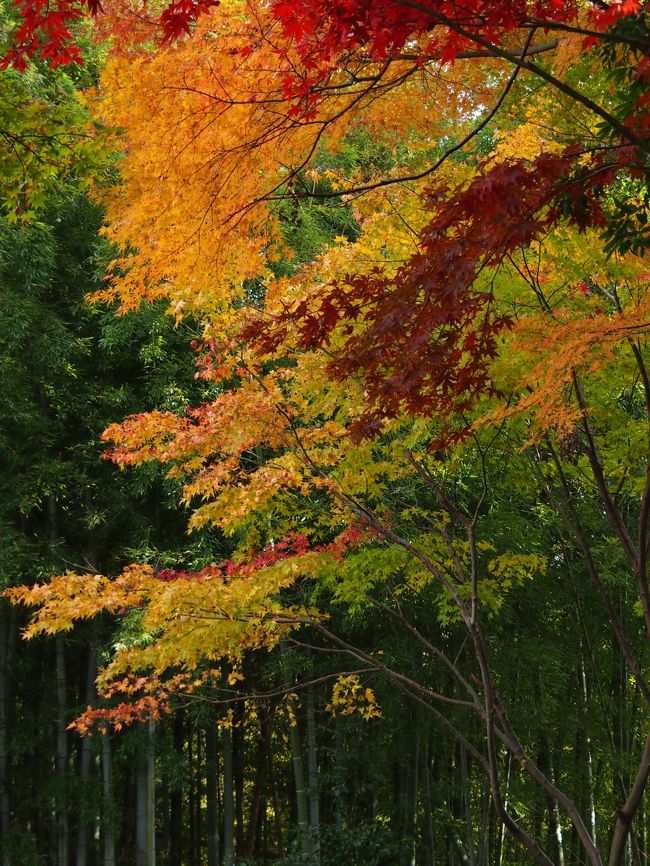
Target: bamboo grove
{"x": 326, "y": 418}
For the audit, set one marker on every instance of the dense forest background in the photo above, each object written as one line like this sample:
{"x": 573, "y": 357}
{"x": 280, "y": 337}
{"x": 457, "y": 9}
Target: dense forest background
{"x": 381, "y": 602}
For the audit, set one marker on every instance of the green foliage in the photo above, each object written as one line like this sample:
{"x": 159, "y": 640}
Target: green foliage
{"x": 21, "y": 846}
{"x": 46, "y": 138}
{"x": 368, "y": 844}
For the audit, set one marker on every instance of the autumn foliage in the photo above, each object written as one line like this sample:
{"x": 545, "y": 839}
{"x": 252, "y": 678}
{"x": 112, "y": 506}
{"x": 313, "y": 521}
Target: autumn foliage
{"x": 408, "y": 319}
{"x": 412, "y": 234}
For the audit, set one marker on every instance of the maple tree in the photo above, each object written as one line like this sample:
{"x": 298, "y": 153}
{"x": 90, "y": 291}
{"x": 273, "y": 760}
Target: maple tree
{"x": 323, "y": 30}
{"x": 486, "y": 297}
{"x": 300, "y": 110}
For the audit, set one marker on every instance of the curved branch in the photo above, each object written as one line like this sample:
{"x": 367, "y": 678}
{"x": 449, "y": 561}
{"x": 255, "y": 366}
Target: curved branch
{"x": 497, "y": 51}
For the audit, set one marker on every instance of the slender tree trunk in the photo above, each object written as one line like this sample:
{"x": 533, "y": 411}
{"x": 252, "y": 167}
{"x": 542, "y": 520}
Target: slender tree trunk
{"x": 302, "y": 805}
{"x": 5, "y": 804}
{"x": 62, "y": 754}
{"x": 340, "y": 788}
{"x": 141, "y": 811}
{"x": 141, "y": 772}
{"x": 405, "y": 771}
{"x": 398, "y": 819}
{"x": 212, "y": 815}
{"x": 590, "y": 773}
{"x": 555, "y": 821}
{"x": 427, "y": 817}
{"x": 228, "y": 799}
{"x": 151, "y": 796}
{"x": 191, "y": 811}
{"x": 199, "y": 777}
{"x": 145, "y": 804}
{"x": 257, "y": 800}
{"x": 275, "y": 797}
{"x": 165, "y": 812}
{"x": 85, "y": 765}
{"x": 467, "y": 805}
{"x": 108, "y": 824}
{"x": 312, "y": 775}
{"x": 484, "y": 847}
{"x": 239, "y": 768}
{"x": 194, "y": 790}
{"x": 176, "y": 799}
{"x": 643, "y": 834}
{"x": 506, "y": 797}
{"x": 62, "y": 736}
{"x": 415, "y": 787}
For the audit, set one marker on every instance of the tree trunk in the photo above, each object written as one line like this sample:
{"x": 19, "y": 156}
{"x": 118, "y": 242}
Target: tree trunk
{"x": 258, "y": 799}
{"x": 212, "y": 815}
{"x": 302, "y": 806}
{"x": 275, "y": 797}
{"x": 145, "y": 804}
{"x": 198, "y": 777}
{"x": 554, "y": 816}
{"x": 165, "y": 813}
{"x": 413, "y": 797}
{"x": 141, "y": 811}
{"x": 175, "y": 854}
{"x": 84, "y": 769}
{"x": 228, "y": 799}
{"x": 238, "y": 741}
{"x": 62, "y": 736}
{"x": 506, "y": 796}
{"x": 467, "y": 805}
{"x": 427, "y": 816}
{"x": 340, "y": 788}
{"x": 61, "y": 755}
{"x": 108, "y": 824}
{"x": 191, "y": 799}
{"x": 5, "y": 804}
{"x": 484, "y": 845}
{"x": 151, "y": 796}
{"x": 312, "y": 775}
{"x": 590, "y": 774}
